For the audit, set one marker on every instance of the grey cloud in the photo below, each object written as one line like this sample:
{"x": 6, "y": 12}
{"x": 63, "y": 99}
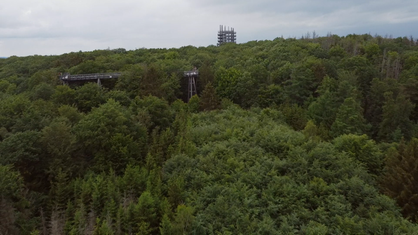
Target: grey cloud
{"x": 54, "y": 27}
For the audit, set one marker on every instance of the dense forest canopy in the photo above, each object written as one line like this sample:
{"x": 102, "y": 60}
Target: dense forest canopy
{"x": 289, "y": 136}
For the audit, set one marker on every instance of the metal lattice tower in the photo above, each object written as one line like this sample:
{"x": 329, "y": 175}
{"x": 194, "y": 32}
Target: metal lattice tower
{"x": 226, "y": 35}
{"x": 192, "y": 76}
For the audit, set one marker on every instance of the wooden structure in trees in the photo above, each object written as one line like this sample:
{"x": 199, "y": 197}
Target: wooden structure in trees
{"x": 192, "y": 76}
{"x": 66, "y": 78}
{"x": 226, "y": 35}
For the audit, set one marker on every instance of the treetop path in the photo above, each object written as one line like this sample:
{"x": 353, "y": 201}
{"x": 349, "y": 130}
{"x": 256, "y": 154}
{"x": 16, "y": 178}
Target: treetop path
{"x": 67, "y": 78}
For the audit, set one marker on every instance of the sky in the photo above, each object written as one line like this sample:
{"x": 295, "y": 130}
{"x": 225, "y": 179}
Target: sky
{"x": 46, "y": 27}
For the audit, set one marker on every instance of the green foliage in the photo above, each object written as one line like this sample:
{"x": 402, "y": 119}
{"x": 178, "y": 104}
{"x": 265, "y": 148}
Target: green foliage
{"x": 302, "y": 84}
{"x": 395, "y": 115}
{"x": 60, "y": 190}
{"x": 349, "y": 119}
{"x": 166, "y": 227}
{"x": 63, "y": 95}
{"x": 132, "y": 158}
{"x": 119, "y": 96}
{"x": 13, "y": 203}
{"x": 11, "y": 109}
{"x": 376, "y": 100}
{"x": 88, "y": 96}
{"x": 194, "y": 104}
{"x": 247, "y": 170}
{"x": 71, "y": 113}
{"x": 59, "y": 144}
{"x": 183, "y": 220}
{"x": 42, "y": 91}
{"x": 152, "y": 82}
{"x": 311, "y": 131}
{"x": 271, "y": 95}
{"x": 400, "y": 178}
{"x": 226, "y": 81}
{"x": 38, "y": 115}
{"x": 130, "y": 81}
{"x": 47, "y": 77}
{"x": 363, "y": 150}
{"x": 294, "y": 115}
{"x": 323, "y": 110}
{"x": 110, "y": 136}
{"x": 158, "y": 110}
{"x": 171, "y": 87}
{"x": 23, "y": 151}
{"x": 209, "y": 100}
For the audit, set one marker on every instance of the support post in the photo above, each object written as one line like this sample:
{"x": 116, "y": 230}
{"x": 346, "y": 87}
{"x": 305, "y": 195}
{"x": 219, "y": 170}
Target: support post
{"x": 192, "y": 87}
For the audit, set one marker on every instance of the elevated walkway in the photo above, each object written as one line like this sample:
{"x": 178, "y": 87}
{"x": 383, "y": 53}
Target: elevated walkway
{"x": 67, "y": 78}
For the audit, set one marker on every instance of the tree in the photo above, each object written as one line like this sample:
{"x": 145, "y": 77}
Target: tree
{"x": 206, "y": 75}
{"x": 194, "y": 104}
{"x": 42, "y": 91}
{"x": 11, "y": 110}
{"x": 38, "y": 115}
{"x": 70, "y": 113}
{"x": 311, "y": 131}
{"x": 401, "y": 177}
{"x": 323, "y": 110}
{"x": 361, "y": 148}
{"x": 63, "y": 95}
{"x": 60, "y": 191}
{"x": 183, "y": 220}
{"x": 110, "y": 136}
{"x": 158, "y": 110}
{"x": 152, "y": 81}
{"x": 88, "y": 96}
{"x": 166, "y": 226}
{"x": 59, "y": 143}
{"x": 301, "y": 85}
{"x": 395, "y": 115}
{"x": 171, "y": 88}
{"x": 43, "y": 76}
{"x": 13, "y": 203}
{"x": 209, "y": 100}
{"x": 271, "y": 95}
{"x": 376, "y": 99}
{"x": 146, "y": 208}
{"x": 295, "y": 116}
{"x": 130, "y": 81}
{"x": 23, "y": 151}
{"x": 226, "y": 81}
{"x": 119, "y": 96}
{"x": 349, "y": 119}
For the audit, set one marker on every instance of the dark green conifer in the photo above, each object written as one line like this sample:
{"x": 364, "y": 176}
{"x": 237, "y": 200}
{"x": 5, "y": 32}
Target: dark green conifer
{"x": 209, "y": 100}
{"x": 401, "y": 178}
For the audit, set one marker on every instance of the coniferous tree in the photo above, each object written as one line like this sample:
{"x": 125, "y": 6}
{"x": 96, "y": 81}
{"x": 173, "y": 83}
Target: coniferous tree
{"x": 206, "y": 75}
{"x": 401, "y": 177}
{"x": 166, "y": 226}
{"x": 152, "y": 81}
{"x": 395, "y": 116}
{"x": 209, "y": 100}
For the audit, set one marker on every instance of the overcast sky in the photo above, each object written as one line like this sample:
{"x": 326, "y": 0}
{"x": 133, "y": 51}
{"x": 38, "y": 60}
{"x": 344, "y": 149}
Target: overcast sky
{"x": 50, "y": 27}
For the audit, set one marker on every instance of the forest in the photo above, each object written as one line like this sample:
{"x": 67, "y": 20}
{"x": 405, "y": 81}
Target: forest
{"x": 285, "y": 136}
